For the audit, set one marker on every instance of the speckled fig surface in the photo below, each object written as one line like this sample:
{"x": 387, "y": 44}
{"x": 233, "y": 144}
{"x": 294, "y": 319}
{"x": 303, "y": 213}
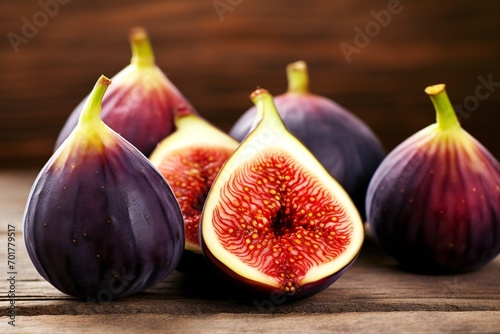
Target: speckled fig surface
{"x": 434, "y": 202}
{"x": 101, "y": 222}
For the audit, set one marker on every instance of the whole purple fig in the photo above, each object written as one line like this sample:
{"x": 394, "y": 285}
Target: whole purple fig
{"x": 140, "y": 104}
{"x": 434, "y": 202}
{"x": 341, "y": 142}
{"x": 101, "y": 222}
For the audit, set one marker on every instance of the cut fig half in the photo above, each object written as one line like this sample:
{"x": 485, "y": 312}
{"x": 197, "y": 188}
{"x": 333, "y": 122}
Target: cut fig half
{"x": 190, "y": 159}
{"x": 275, "y": 219}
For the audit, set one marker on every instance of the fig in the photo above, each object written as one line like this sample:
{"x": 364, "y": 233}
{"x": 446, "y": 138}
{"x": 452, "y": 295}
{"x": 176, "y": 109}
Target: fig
{"x": 190, "y": 159}
{"x": 341, "y": 141}
{"x": 275, "y": 221}
{"x": 434, "y": 202}
{"x": 140, "y": 103}
{"x": 101, "y": 223}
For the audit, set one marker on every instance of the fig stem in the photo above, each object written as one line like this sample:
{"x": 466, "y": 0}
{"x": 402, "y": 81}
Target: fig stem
{"x": 91, "y": 111}
{"x": 142, "y": 52}
{"x": 445, "y": 114}
{"x": 266, "y": 110}
{"x": 298, "y": 77}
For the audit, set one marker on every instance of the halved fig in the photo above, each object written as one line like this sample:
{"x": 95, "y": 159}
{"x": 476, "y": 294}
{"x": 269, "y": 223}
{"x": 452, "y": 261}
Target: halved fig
{"x": 190, "y": 159}
{"x": 275, "y": 220}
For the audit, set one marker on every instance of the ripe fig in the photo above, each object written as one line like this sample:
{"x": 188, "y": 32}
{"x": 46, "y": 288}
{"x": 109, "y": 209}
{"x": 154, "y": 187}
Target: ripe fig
{"x": 140, "y": 103}
{"x": 434, "y": 202}
{"x": 275, "y": 221}
{"x": 101, "y": 222}
{"x": 342, "y": 142}
{"x": 190, "y": 159}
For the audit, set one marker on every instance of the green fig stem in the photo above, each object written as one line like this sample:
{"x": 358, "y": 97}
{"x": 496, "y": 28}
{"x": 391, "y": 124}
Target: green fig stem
{"x": 266, "y": 110}
{"x": 298, "y": 77}
{"x": 445, "y": 114}
{"x": 91, "y": 111}
{"x": 142, "y": 52}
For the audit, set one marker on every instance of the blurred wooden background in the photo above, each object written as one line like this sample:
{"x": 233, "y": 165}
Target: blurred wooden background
{"x": 217, "y": 60}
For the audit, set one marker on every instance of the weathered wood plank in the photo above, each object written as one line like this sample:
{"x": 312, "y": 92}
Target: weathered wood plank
{"x": 377, "y": 322}
{"x": 374, "y": 284}
{"x": 361, "y": 289}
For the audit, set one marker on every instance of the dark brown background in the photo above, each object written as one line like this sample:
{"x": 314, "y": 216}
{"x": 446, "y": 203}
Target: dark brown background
{"x": 217, "y": 63}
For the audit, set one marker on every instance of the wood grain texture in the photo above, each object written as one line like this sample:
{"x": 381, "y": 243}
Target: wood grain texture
{"x": 377, "y": 322}
{"x": 217, "y": 63}
{"x": 373, "y": 296}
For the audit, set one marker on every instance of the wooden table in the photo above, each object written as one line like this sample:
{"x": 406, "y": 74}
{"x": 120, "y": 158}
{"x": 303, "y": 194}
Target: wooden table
{"x": 373, "y": 296}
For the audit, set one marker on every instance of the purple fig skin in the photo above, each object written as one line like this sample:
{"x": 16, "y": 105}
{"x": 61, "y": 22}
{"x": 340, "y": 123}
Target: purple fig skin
{"x": 140, "y": 104}
{"x": 343, "y": 144}
{"x": 434, "y": 203}
{"x": 101, "y": 223}
{"x": 113, "y": 214}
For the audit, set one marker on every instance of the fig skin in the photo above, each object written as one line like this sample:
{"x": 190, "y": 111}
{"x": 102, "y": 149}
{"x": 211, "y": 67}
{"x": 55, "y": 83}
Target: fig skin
{"x": 434, "y": 202}
{"x": 101, "y": 223}
{"x": 140, "y": 103}
{"x": 341, "y": 141}
{"x": 275, "y": 222}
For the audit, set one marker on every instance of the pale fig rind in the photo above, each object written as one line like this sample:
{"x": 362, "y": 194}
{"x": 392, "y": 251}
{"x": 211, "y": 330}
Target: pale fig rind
{"x": 275, "y": 219}
{"x": 341, "y": 141}
{"x": 434, "y": 202}
{"x": 101, "y": 223}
